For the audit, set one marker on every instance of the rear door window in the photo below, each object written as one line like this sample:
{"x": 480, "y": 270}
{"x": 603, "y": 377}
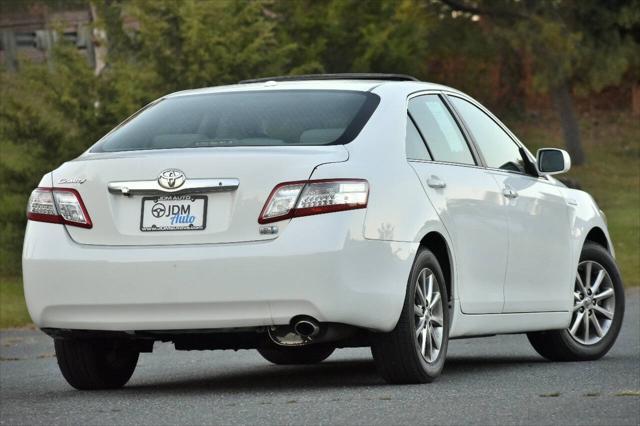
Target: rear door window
{"x": 441, "y": 132}
{"x": 251, "y": 118}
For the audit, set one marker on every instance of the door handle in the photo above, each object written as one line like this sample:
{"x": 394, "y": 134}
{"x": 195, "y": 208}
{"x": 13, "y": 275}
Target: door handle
{"x": 436, "y": 182}
{"x": 509, "y": 192}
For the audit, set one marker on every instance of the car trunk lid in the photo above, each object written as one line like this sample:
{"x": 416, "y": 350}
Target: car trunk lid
{"x": 120, "y": 190}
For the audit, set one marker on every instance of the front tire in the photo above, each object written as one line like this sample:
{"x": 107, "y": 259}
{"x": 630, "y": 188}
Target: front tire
{"x": 296, "y": 355}
{"x": 95, "y": 364}
{"x": 597, "y": 312}
{"x": 415, "y": 350}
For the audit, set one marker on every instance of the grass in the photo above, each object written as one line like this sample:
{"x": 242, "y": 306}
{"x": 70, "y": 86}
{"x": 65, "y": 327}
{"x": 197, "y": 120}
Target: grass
{"x": 611, "y": 174}
{"x": 628, "y": 393}
{"x": 13, "y": 310}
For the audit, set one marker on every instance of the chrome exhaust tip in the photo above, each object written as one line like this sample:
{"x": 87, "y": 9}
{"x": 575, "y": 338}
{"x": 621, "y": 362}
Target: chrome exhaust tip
{"x": 307, "y": 328}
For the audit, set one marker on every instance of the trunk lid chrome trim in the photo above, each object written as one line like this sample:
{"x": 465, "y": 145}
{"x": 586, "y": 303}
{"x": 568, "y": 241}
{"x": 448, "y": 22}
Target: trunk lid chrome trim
{"x": 191, "y": 186}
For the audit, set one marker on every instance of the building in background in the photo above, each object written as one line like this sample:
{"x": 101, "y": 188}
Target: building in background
{"x": 29, "y": 31}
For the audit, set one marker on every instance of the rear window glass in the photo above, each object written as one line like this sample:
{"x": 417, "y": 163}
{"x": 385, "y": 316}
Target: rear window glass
{"x": 269, "y": 118}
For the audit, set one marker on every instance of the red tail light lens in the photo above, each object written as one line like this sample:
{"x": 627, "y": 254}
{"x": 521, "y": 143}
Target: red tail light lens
{"x": 305, "y": 198}
{"x": 58, "y": 205}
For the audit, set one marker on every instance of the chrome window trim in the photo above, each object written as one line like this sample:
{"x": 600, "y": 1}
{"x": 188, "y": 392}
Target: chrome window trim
{"x": 448, "y": 163}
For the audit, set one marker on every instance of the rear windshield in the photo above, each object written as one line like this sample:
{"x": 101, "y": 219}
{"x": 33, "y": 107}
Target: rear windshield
{"x": 269, "y": 118}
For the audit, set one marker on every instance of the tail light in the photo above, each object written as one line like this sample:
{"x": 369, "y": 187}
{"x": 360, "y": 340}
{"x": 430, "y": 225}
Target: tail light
{"x": 58, "y": 205}
{"x": 305, "y": 198}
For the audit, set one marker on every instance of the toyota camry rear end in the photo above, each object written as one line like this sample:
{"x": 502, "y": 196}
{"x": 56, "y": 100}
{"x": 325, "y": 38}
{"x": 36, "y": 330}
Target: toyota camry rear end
{"x": 228, "y": 212}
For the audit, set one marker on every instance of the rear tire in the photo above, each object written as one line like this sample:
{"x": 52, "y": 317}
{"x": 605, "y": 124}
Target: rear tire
{"x": 582, "y": 340}
{"x": 296, "y": 355}
{"x": 414, "y": 352}
{"x": 95, "y": 364}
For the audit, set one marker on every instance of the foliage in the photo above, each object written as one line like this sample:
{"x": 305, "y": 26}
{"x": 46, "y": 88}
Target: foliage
{"x": 353, "y": 36}
{"x": 589, "y": 43}
{"x": 572, "y": 44}
{"x": 191, "y": 43}
{"x": 463, "y": 52}
{"x": 13, "y": 309}
{"x": 46, "y": 116}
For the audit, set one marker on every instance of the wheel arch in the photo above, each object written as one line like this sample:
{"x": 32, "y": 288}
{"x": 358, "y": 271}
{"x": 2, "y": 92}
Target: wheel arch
{"x": 597, "y": 235}
{"x": 437, "y": 244}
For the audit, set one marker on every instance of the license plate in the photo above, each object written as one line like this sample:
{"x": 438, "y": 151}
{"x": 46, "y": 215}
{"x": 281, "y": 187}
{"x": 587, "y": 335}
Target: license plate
{"x": 174, "y": 213}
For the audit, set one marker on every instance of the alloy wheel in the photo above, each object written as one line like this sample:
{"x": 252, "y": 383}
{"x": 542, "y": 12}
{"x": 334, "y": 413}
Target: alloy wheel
{"x": 594, "y": 303}
{"x": 428, "y": 314}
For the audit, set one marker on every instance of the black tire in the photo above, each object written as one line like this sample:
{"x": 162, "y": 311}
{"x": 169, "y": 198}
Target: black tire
{"x": 95, "y": 364}
{"x": 397, "y": 354}
{"x": 296, "y": 355}
{"x": 559, "y": 345}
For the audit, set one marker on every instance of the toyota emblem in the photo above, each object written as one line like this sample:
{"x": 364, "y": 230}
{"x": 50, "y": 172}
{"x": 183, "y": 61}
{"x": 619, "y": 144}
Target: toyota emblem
{"x": 172, "y": 179}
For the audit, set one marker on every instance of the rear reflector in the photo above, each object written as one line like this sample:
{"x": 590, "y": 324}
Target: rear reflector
{"x": 58, "y": 205}
{"x": 305, "y": 198}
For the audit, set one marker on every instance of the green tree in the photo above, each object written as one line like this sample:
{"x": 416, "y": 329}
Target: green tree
{"x": 576, "y": 45}
{"x": 355, "y": 36}
{"x": 47, "y": 116}
{"x": 193, "y": 43}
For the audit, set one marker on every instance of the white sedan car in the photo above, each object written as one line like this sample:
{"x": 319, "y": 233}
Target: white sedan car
{"x": 297, "y": 215}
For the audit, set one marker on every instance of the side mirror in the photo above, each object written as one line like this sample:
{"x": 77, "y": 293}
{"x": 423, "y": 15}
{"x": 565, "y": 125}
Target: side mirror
{"x": 552, "y": 161}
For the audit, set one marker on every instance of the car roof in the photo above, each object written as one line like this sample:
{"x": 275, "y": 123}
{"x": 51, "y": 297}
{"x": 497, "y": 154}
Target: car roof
{"x": 362, "y": 85}
{"x": 339, "y": 76}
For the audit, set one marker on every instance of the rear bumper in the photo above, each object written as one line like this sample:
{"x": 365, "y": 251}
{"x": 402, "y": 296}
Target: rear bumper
{"x": 320, "y": 266}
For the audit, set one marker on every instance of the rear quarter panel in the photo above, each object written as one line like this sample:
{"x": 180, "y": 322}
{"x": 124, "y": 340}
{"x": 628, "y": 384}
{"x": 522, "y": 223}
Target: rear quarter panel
{"x": 398, "y": 208}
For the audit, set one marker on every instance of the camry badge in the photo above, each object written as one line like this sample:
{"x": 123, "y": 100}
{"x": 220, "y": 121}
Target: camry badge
{"x": 171, "y": 178}
{"x": 78, "y": 180}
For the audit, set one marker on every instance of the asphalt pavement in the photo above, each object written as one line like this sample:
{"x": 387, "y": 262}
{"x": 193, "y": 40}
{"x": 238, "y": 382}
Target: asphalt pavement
{"x": 493, "y": 380}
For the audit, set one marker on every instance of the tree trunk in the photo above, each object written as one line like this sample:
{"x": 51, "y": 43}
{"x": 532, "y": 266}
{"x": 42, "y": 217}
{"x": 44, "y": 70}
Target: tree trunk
{"x": 635, "y": 100}
{"x": 564, "y": 105}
